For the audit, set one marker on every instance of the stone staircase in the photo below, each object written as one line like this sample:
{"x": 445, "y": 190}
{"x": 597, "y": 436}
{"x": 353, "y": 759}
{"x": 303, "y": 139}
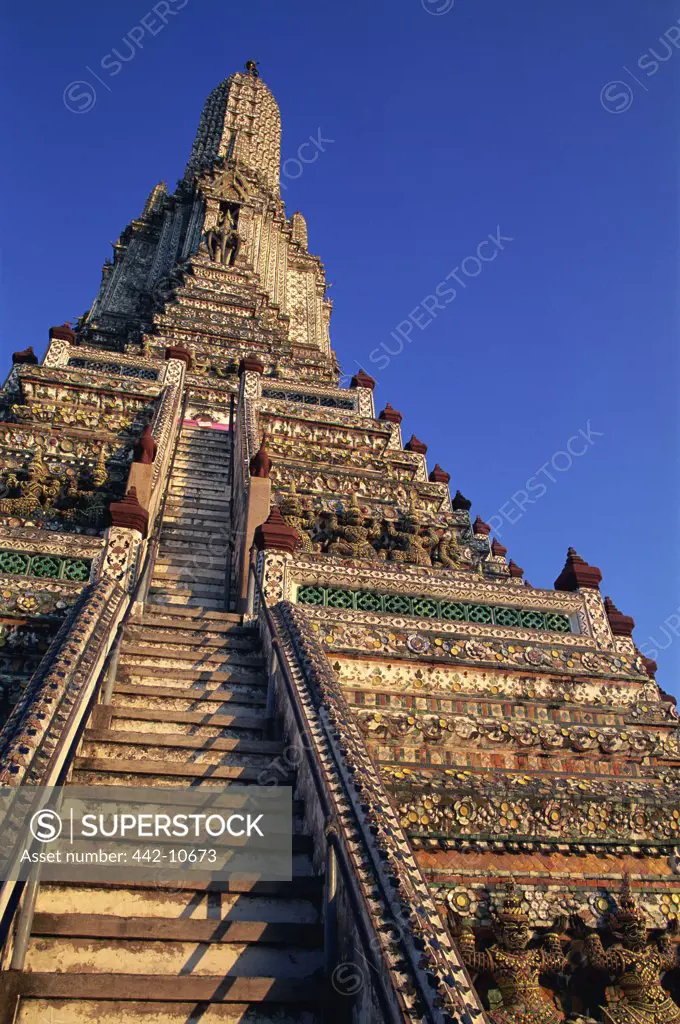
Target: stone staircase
{"x": 188, "y": 709}
{"x": 191, "y": 566}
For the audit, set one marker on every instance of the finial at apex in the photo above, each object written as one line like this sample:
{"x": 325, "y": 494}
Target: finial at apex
{"x": 252, "y": 69}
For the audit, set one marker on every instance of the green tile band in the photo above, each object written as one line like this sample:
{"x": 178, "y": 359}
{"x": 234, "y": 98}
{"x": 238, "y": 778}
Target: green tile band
{"x": 431, "y": 608}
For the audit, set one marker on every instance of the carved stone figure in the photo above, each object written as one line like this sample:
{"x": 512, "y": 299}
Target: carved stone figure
{"x": 388, "y": 540}
{"x": 515, "y": 968}
{"x": 635, "y": 964}
{"x": 32, "y": 490}
{"x": 354, "y": 539}
{"x": 298, "y": 517}
{"x": 100, "y": 472}
{"x": 446, "y": 551}
{"x": 413, "y": 543}
{"x": 222, "y": 239}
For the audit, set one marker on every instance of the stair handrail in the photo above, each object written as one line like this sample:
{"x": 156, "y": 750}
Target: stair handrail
{"x": 436, "y": 970}
{"x": 240, "y": 484}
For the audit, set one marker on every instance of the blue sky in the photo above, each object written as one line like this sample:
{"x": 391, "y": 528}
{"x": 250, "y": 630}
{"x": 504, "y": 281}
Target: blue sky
{"x": 555, "y": 124}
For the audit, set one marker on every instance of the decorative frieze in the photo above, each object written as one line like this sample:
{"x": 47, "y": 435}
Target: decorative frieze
{"x": 325, "y": 401}
{"x": 513, "y": 806}
{"x": 119, "y": 369}
{"x": 44, "y": 566}
{"x": 431, "y": 608}
{"x": 510, "y": 651}
{"x": 437, "y": 686}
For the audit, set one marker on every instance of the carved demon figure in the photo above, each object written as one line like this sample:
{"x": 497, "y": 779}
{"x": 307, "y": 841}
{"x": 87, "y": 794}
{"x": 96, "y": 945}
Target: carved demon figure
{"x": 447, "y": 551}
{"x": 33, "y": 490}
{"x": 298, "y": 517}
{"x": 222, "y": 240}
{"x": 514, "y": 966}
{"x": 354, "y": 539}
{"x": 636, "y": 965}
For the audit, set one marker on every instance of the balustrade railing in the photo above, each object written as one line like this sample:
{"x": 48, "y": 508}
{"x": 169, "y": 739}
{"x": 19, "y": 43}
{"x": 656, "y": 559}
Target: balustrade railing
{"x": 397, "y": 924}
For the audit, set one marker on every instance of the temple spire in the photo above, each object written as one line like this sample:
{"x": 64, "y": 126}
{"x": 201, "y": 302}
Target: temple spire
{"x": 240, "y": 122}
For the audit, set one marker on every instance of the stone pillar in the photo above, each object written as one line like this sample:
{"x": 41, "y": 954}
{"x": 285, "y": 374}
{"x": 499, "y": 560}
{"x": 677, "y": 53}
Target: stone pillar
{"x": 59, "y": 349}
{"x": 139, "y": 480}
{"x": 276, "y": 542}
{"x": 364, "y": 384}
{"x": 252, "y": 495}
{"x": 579, "y": 576}
{"x": 121, "y": 556}
{"x": 257, "y": 511}
{"x": 140, "y": 477}
{"x": 394, "y": 418}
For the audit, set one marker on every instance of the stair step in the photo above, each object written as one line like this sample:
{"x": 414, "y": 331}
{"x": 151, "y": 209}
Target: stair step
{"x": 197, "y": 487}
{"x": 185, "y": 598}
{"x": 162, "y": 653}
{"x": 199, "y": 538}
{"x": 211, "y": 506}
{"x": 186, "y": 680}
{"x": 167, "y": 960}
{"x": 196, "y": 596}
{"x": 217, "y": 509}
{"x": 212, "y": 457}
{"x": 208, "y": 674}
{"x": 215, "y": 490}
{"x": 210, "y": 582}
{"x": 198, "y": 494}
{"x": 187, "y": 580}
{"x": 234, "y": 638}
{"x": 302, "y": 887}
{"x": 200, "y": 592}
{"x": 188, "y": 515}
{"x": 217, "y": 550}
{"x": 164, "y": 724}
{"x": 192, "y": 431}
{"x": 98, "y": 926}
{"x": 155, "y": 750}
{"x": 114, "y": 1011}
{"x": 221, "y": 468}
{"x": 192, "y": 700}
{"x": 187, "y": 465}
{"x": 185, "y": 601}
{"x": 205, "y": 500}
{"x": 140, "y": 773}
{"x": 182, "y": 565}
{"x": 210, "y": 677}
{"x": 221, "y": 987}
{"x": 201, "y": 471}
{"x": 204, "y": 458}
{"x": 194, "y": 535}
{"x": 178, "y": 744}
{"x": 235, "y": 705}
{"x": 198, "y": 448}
{"x": 179, "y": 642}
{"x": 186, "y": 519}
{"x": 177, "y": 722}
{"x": 192, "y": 619}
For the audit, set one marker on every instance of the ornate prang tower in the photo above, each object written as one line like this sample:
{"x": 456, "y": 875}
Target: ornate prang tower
{"x": 212, "y": 556}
